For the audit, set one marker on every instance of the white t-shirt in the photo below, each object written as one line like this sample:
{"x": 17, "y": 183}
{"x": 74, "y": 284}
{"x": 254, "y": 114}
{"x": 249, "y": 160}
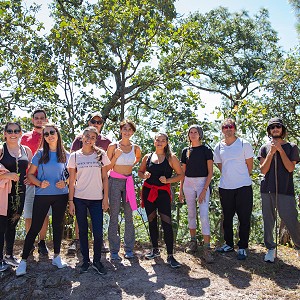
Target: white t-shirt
{"x": 89, "y": 177}
{"x": 235, "y": 173}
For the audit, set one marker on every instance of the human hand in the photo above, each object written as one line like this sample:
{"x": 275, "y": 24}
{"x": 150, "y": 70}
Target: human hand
{"x": 202, "y": 196}
{"x": 147, "y": 175}
{"x": 163, "y": 179}
{"x": 118, "y": 152}
{"x": 181, "y": 196}
{"x": 60, "y": 184}
{"x": 12, "y": 176}
{"x": 71, "y": 208}
{"x": 44, "y": 184}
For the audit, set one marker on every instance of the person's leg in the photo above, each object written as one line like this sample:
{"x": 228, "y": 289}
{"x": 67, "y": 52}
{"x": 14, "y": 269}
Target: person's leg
{"x": 115, "y": 194}
{"x": 268, "y": 212}
{"x": 81, "y": 216}
{"x": 228, "y": 207}
{"x": 244, "y": 204}
{"x": 28, "y": 205}
{"x": 129, "y": 234}
{"x": 96, "y": 213}
{"x": 288, "y": 213}
{"x": 3, "y": 226}
{"x": 13, "y": 217}
{"x": 59, "y": 205}
{"x": 152, "y": 218}
{"x": 40, "y": 208}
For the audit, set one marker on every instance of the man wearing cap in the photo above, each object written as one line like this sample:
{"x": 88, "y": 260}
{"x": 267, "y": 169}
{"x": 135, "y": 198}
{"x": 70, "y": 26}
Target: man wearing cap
{"x": 234, "y": 158}
{"x": 283, "y": 155}
{"x": 95, "y": 120}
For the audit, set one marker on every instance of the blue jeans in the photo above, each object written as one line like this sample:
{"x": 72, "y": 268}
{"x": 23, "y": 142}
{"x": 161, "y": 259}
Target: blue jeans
{"x": 96, "y": 213}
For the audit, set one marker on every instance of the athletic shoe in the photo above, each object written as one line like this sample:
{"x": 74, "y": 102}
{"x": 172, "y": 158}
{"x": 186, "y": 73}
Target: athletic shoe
{"x": 242, "y": 254}
{"x": 154, "y": 253}
{"x": 104, "y": 248}
{"x": 11, "y": 260}
{"x": 225, "y": 248}
{"x": 42, "y": 248}
{"x": 192, "y": 247}
{"x": 74, "y": 246}
{"x": 115, "y": 257}
{"x": 129, "y": 255}
{"x": 173, "y": 262}
{"x": 84, "y": 267}
{"x": 21, "y": 270}
{"x": 207, "y": 255}
{"x": 58, "y": 262}
{"x": 3, "y": 265}
{"x": 270, "y": 256}
{"x": 99, "y": 268}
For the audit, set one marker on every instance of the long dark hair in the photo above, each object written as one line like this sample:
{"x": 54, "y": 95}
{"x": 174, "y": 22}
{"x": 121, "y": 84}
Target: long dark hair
{"x": 98, "y": 150}
{"x": 60, "y": 150}
{"x": 167, "y": 148}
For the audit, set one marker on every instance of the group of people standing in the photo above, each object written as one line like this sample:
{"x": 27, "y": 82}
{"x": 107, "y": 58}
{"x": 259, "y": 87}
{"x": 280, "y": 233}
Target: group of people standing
{"x": 40, "y": 176}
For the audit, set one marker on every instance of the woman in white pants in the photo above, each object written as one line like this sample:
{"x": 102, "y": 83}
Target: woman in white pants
{"x": 197, "y": 163}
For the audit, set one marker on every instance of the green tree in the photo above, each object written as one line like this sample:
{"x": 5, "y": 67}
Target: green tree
{"x": 296, "y": 6}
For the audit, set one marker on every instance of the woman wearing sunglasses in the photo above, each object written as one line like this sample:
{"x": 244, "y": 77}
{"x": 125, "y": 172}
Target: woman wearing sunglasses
{"x": 197, "y": 163}
{"x": 51, "y": 190}
{"x": 89, "y": 191}
{"x": 14, "y": 160}
{"x": 123, "y": 155}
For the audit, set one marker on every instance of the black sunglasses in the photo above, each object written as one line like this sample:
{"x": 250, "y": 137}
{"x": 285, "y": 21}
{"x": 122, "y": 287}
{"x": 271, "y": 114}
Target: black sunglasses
{"x": 275, "y": 126}
{"x": 229, "y": 126}
{"x": 15, "y": 131}
{"x": 96, "y": 122}
{"x": 52, "y": 132}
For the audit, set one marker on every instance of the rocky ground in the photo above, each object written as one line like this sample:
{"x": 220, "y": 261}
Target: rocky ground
{"x": 226, "y": 278}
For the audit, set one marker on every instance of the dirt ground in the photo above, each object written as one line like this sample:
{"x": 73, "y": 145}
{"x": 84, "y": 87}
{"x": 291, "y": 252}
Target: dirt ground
{"x": 226, "y": 278}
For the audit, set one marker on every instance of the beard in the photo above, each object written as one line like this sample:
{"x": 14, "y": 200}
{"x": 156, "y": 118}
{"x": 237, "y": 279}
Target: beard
{"x": 37, "y": 127}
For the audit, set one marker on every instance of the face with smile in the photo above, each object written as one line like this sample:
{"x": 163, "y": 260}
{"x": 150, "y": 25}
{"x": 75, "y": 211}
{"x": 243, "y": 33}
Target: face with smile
{"x": 50, "y": 135}
{"x": 228, "y": 129}
{"x": 38, "y": 120}
{"x": 127, "y": 131}
{"x": 160, "y": 141}
{"x": 194, "y": 135}
{"x": 275, "y": 130}
{"x": 12, "y": 133}
{"x": 89, "y": 138}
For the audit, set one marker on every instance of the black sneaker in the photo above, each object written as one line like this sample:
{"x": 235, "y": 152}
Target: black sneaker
{"x": 84, "y": 267}
{"x": 42, "y": 248}
{"x": 11, "y": 260}
{"x": 154, "y": 253}
{"x": 173, "y": 262}
{"x": 3, "y": 265}
{"x": 99, "y": 268}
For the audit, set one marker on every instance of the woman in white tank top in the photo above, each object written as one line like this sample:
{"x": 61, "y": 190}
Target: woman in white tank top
{"x": 123, "y": 155}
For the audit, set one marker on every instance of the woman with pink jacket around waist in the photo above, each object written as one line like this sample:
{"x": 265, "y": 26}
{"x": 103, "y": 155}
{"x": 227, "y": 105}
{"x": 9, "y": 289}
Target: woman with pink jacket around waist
{"x": 123, "y": 155}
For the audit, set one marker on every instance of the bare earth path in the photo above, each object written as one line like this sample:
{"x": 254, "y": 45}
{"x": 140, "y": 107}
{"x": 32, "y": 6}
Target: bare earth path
{"x": 226, "y": 278}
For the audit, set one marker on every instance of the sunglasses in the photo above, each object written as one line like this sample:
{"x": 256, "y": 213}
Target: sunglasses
{"x": 15, "y": 131}
{"x": 230, "y": 126}
{"x": 275, "y": 126}
{"x": 51, "y": 132}
{"x": 97, "y": 122}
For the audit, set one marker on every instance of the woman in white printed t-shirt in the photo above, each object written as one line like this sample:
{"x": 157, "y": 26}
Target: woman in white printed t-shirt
{"x": 88, "y": 190}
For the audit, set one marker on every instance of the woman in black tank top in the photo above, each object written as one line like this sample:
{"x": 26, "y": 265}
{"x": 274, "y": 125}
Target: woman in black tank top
{"x": 15, "y": 159}
{"x": 157, "y": 169}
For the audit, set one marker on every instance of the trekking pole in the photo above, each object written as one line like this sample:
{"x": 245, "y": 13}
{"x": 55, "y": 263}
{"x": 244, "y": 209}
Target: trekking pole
{"x": 276, "y": 203}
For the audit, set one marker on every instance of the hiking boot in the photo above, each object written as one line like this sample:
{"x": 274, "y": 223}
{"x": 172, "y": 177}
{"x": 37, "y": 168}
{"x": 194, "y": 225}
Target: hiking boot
{"x": 225, "y": 248}
{"x": 74, "y": 246}
{"x": 173, "y": 262}
{"x": 242, "y": 254}
{"x": 192, "y": 247}
{"x": 129, "y": 255}
{"x": 154, "y": 253}
{"x": 42, "y": 248}
{"x": 58, "y": 262}
{"x": 100, "y": 269}
{"x": 207, "y": 255}
{"x": 104, "y": 248}
{"x": 11, "y": 260}
{"x": 21, "y": 270}
{"x": 3, "y": 265}
{"x": 270, "y": 256}
{"x": 84, "y": 267}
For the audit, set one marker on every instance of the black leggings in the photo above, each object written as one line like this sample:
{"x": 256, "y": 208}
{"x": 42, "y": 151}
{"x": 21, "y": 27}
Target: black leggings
{"x": 41, "y": 206}
{"x": 163, "y": 205}
{"x": 9, "y": 223}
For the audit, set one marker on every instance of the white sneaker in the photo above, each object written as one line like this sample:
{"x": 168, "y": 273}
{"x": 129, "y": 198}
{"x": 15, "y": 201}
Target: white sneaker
{"x": 21, "y": 270}
{"x": 270, "y": 256}
{"x": 57, "y": 261}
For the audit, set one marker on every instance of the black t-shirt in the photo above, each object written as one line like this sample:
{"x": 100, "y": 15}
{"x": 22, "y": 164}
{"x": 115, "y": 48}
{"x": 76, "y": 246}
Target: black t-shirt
{"x": 195, "y": 159}
{"x": 285, "y": 178}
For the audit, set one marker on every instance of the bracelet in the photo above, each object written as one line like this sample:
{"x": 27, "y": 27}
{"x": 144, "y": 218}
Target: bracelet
{"x": 71, "y": 200}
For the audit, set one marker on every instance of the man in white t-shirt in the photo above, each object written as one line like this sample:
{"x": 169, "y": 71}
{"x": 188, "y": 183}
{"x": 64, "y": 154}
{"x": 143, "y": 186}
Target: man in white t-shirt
{"x": 234, "y": 157}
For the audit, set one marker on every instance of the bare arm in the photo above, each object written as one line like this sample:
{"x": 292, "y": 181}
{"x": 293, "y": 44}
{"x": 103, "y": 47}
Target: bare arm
{"x": 249, "y": 163}
{"x": 32, "y": 178}
{"x": 72, "y": 179}
{"x": 175, "y": 164}
{"x": 181, "y": 194}
{"x": 105, "y": 204}
{"x": 202, "y": 195}
{"x": 138, "y": 154}
{"x": 142, "y": 173}
{"x": 113, "y": 152}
